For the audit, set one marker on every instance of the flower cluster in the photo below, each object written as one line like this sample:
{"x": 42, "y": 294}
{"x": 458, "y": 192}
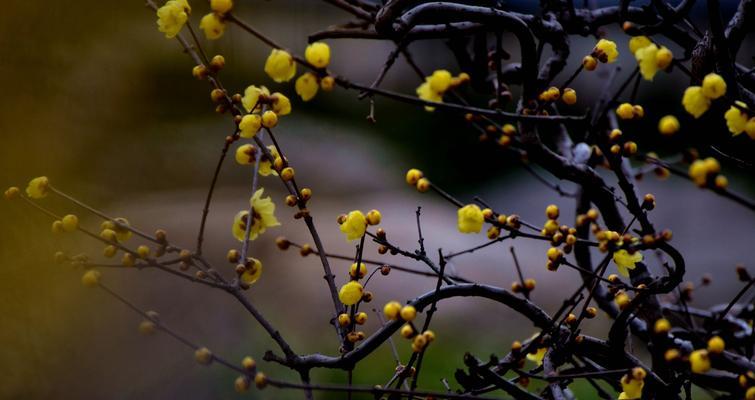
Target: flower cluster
{"x": 650, "y": 57}
{"x": 605, "y": 51}
{"x": 437, "y": 84}
{"x": 697, "y": 99}
{"x": 213, "y": 24}
{"x": 706, "y": 171}
{"x": 307, "y": 85}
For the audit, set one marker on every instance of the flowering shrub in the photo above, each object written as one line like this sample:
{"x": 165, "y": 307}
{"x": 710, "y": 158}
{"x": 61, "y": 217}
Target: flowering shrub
{"x": 549, "y": 125}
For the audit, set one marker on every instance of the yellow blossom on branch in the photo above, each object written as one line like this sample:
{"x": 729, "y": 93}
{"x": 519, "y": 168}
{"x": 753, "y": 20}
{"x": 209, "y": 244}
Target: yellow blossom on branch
{"x": 38, "y": 187}
{"x": 212, "y": 25}
{"x": 281, "y": 104}
{"x": 280, "y": 66}
{"x": 221, "y": 6}
{"x": 252, "y": 272}
{"x": 605, "y": 51}
{"x": 736, "y": 120}
{"x": 351, "y": 293}
{"x": 355, "y": 225}
{"x": 638, "y": 42}
{"x": 470, "y": 219}
{"x": 695, "y": 102}
{"x": 306, "y": 86}
{"x": 714, "y": 86}
{"x": 318, "y": 54}
{"x": 251, "y": 99}
{"x": 625, "y": 261}
{"x": 172, "y": 16}
{"x": 437, "y": 84}
{"x": 538, "y": 356}
{"x": 263, "y": 217}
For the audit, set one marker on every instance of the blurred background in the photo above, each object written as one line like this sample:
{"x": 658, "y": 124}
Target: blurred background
{"x": 100, "y": 102}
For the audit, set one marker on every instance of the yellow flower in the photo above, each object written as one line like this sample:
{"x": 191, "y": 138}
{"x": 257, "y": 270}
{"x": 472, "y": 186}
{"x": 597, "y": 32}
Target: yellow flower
{"x": 120, "y": 227}
{"x": 221, "y": 6}
{"x": 440, "y": 80}
{"x": 266, "y": 166}
{"x": 699, "y": 361}
{"x": 350, "y": 293}
{"x": 91, "y": 278}
{"x": 281, "y": 104}
{"x": 605, "y": 51}
{"x": 625, "y": 261}
{"x": 355, "y": 225}
{"x": 318, "y": 54}
{"x": 246, "y": 154}
{"x": 306, "y": 86}
{"x": 280, "y": 66}
{"x": 426, "y": 93}
{"x": 172, "y": 16}
{"x": 435, "y": 85}
{"x": 736, "y": 120}
{"x": 625, "y": 111}
{"x": 470, "y": 219}
{"x": 358, "y": 272}
{"x": 212, "y": 25}
{"x": 253, "y": 271}
{"x": 646, "y": 60}
{"x": 698, "y": 172}
{"x": 263, "y": 217}
{"x": 537, "y": 357}
{"x": 38, "y": 187}
{"x": 249, "y": 126}
{"x": 70, "y": 223}
{"x": 252, "y": 97}
{"x": 391, "y": 310}
{"x": 632, "y": 388}
{"x": 750, "y": 128}
{"x": 668, "y": 125}
{"x": 714, "y": 86}
{"x": 695, "y": 102}
{"x": 664, "y": 57}
{"x": 638, "y": 42}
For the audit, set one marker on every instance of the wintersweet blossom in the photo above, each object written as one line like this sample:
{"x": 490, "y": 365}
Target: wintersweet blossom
{"x": 699, "y": 361}
{"x": 212, "y": 25}
{"x": 605, "y": 50}
{"x": 695, "y": 102}
{"x": 632, "y": 384}
{"x": 38, "y": 187}
{"x": 638, "y": 42}
{"x": 668, "y": 125}
{"x": 172, "y": 16}
{"x": 355, "y": 225}
{"x": 437, "y": 84}
{"x": 251, "y": 99}
{"x": 252, "y": 272}
{"x": 714, "y": 86}
{"x": 736, "y": 119}
{"x": 280, "y": 66}
{"x": 625, "y": 261}
{"x": 249, "y": 126}
{"x": 538, "y": 356}
{"x": 306, "y": 86}
{"x": 263, "y": 217}
{"x": 350, "y": 293}
{"x": 266, "y": 165}
{"x": 318, "y": 54}
{"x": 470, "y": 219}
